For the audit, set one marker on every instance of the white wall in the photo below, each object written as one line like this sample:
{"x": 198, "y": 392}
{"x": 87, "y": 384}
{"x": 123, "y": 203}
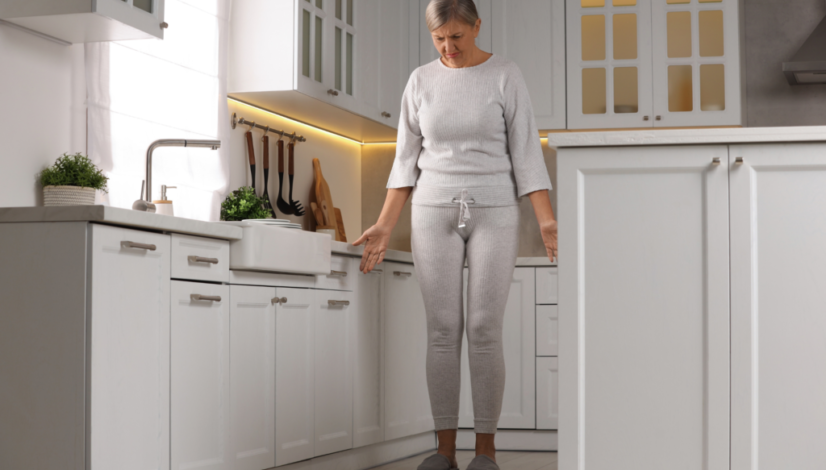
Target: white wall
{"x": 340, "y": 164}
{"x": 42, "y": 91}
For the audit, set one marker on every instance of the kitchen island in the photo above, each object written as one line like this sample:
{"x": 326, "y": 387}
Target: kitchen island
{"x": 692, "y": 329}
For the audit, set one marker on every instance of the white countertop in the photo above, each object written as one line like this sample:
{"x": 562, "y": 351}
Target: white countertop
{"x": 119, "y": 216}
{"x": 687, "y": 136}
{"x": 345, "y": 248}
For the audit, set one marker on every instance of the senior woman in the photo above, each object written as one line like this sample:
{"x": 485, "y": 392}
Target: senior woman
{"x": 468, "y": 150}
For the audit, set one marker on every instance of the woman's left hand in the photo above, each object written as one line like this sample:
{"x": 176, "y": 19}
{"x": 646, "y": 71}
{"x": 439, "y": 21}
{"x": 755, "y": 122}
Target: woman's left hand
{"x": 548, "y": 230}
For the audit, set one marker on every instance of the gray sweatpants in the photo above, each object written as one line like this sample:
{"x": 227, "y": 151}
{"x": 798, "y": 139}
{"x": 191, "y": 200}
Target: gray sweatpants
{"x": 490, "y": 239}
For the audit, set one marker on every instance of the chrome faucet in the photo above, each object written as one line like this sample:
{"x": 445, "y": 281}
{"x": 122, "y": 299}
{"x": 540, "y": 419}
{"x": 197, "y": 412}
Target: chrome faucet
{"x": 145, "y": 204}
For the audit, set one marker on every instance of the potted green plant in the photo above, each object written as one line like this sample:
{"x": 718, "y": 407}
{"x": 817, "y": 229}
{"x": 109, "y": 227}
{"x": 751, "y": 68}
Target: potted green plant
{"x": 243, "y": 204}
{"x": 72, "y": 181}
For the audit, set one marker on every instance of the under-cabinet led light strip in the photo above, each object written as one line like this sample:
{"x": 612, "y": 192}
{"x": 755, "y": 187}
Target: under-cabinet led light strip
{"x": 349, "y": 139}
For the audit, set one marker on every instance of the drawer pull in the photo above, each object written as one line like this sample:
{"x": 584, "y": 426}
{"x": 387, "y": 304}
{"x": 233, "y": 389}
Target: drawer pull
{"x": 333, "y": 303}
{"x": 208, "y": 298}
{"x": 140, "y": 246}
{"x": 385, "y": 114}
{"x": 279, "y": 300}
{"x": 401, "y": 273}
{"x": 377, "y": 271}
{"x": 332, "y": 92}
{"x": 201, "y": 259}
{"x": 337, "y": 274}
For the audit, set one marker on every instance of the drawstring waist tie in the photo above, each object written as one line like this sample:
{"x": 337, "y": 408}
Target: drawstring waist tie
{"x": 464, "y": 210}
{"x": 479, "y": 196}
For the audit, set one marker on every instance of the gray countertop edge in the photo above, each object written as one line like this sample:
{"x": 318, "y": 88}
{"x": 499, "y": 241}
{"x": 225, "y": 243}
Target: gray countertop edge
{"x": 345, "y": 248}
{"x": 742, "y": 135}
{"x": 121, "y": 217}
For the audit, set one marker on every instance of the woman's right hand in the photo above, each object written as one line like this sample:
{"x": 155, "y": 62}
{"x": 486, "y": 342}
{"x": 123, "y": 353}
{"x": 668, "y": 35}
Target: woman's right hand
{"x": 378, "y": 238}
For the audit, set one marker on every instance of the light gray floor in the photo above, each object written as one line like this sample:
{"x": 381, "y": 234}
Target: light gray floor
{"x": 507, "y": 461}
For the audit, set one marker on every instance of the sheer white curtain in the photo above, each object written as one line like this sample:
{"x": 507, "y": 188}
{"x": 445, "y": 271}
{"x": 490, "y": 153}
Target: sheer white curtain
{"x": 141, "y": 91}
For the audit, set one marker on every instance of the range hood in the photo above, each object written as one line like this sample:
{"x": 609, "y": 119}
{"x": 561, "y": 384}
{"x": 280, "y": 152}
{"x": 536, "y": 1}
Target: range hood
{"x": 808, "y": 67}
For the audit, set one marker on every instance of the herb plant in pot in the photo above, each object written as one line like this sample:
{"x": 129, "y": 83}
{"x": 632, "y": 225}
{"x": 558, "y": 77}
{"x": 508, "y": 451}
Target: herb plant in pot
{"x": 243, "y": 204}
{"x": 72, "y": 181}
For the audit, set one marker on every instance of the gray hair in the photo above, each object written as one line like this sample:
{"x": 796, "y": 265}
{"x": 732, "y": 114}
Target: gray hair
{"x": 440, "y": 12}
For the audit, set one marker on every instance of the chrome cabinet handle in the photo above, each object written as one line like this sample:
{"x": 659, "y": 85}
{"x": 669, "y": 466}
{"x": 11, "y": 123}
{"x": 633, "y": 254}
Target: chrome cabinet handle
{"x": 645, "y": 118}
{"x": 377, "y": 271}
{"x": 333, "y": 303}
{"x": 200, "y": 259}
{"x": 715, "y": 161}
{"x": 332, "y": 92}
{"x": 208, "y": 298}
{"x": 279, "y": 300}
{"x": 738, "y": 160}
{"x": 140, "y": 246}
{"x": 337, "y": 274}
{"x": 164, "y": 25}
{"x": 401, "y": 273}
{"x": 659, "y": 118}
{"x": 385, "y": 114}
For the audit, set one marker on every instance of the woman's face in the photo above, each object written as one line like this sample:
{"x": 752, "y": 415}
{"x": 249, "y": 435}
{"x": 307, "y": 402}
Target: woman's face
{"x": 456, "y": 42}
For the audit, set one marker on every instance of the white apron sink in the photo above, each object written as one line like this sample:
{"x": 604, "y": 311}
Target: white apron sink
{"x": 278, "y": 249}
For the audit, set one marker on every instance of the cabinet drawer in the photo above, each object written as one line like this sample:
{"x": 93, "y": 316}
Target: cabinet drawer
{"x": 547, "y": 330}
{"x": 343, "y": 271}
{"x": 546, "y": 285}
{"x": 200, "y": 259}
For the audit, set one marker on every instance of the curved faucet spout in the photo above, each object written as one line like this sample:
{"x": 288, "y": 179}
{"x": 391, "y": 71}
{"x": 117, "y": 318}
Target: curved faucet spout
{"x": 213, "y": 144}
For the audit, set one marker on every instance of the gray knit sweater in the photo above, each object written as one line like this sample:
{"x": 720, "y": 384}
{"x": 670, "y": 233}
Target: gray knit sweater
{"x": 470, "y": 127}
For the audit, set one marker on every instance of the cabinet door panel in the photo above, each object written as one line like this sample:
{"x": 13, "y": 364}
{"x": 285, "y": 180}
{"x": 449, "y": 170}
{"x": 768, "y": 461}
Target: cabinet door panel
{"x": 609, "y": 65}
{"x": 547, "y": 280}
{"x": 547, "y": 393}
{"x": 129, "y": 344}
{"x": 697, "y": 63}
{"x": 518, "y": 342}
{"x": 200, "y": 376}
{"x": 644, "y": 332}
{"x": 368, "y": 384}
{"x": 778, "y": 350}
{"x": 393, "y": 52}
{"x": 532, "y": 34}
{"x": 407, "y": 403}
{"x": 294, "y": 375}
{"x": 252, "y": 377}
{"x": 547, "y": 330}
{"x": 333, "y": 372}
{"x": 371, "y": 58}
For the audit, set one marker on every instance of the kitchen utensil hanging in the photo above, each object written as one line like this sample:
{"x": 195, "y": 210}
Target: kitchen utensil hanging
{"x": 266, "y": 155}
{"x": 294, "y": 204}
{"x": 282, "y": 205}
{"x": 251, "y": 154}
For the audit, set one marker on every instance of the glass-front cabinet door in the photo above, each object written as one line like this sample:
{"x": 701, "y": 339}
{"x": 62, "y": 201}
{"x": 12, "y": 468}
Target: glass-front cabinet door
{"x": 343, "y": 52}
{"x": 609, "y": 64}
{"x": 313, "y": 75}
{"x": 697, "y": 63}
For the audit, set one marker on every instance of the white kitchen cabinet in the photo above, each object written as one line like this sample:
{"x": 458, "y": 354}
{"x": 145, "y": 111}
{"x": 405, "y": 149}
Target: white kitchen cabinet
{"x": 315, "y": 64}
{"x": 252, "y": 377}
{"x": 547, "y": 393}
{"x": 368, "y": 363}
{"x": 129, "y": 360}
{"x": 383, "y": 58}
{"x": 643, "y": 63}
{"x": 778, "y": 379}
{"x": 200, "y": 404}
{"x": 547, "y": 280}
{"x": 84, "y": 21}
{"x": 531, "y": 33}
{"x": 199, "y": 258}
{"x": 547, "y": 330}
{"x": 518, "y": 343}
{"x": 407, "y": 403}
{"x": 333, "y": 371}
{"x": 294, "y": 375}
{"x": 644, "y": 310}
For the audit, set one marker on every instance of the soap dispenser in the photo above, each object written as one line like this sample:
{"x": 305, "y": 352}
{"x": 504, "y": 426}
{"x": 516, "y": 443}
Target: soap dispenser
{"x": 164, "y": 205}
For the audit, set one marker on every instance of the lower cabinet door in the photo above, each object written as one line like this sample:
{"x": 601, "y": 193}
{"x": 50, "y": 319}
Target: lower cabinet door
{"x": 547, "y": 392}
{"x": 518, "y": 342}
{"x": 294, "y": 375}
{"x": 252, "y": 377}
{"x": 200, "y": 376}
{"x": 333, "y": 371}
{"x": 407, "y": 403}
{"x": 368, "y": 373}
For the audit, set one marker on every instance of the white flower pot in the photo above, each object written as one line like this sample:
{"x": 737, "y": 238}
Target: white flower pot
{"x": 68, "y": 196}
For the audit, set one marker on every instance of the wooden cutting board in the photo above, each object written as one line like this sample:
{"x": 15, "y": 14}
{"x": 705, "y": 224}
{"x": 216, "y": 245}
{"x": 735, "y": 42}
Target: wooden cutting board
{"x": 342, "y": 237}
{"x": 324, "y": 200}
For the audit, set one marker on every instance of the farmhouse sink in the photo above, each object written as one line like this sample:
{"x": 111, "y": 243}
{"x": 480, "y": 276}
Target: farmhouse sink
{"x": 279, "y": 249}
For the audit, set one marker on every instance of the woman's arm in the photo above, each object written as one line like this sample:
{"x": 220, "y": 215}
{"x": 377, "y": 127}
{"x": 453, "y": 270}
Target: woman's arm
{"x": 378, "y": 236}
{"x": 547, "y": 222}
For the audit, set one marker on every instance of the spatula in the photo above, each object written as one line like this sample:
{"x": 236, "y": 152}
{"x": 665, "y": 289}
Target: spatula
{"x": 282, "y": 205}
{"x": 296, "y": 206}
{"x": 266, "y": 196}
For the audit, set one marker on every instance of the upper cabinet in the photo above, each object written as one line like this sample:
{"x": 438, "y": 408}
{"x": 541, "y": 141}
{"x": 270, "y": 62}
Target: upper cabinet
{"x": 644, "y": 63}
{"x": 338, "y": 64}
{"x": 531, "y": 33}
{"x": 78, "y": 21}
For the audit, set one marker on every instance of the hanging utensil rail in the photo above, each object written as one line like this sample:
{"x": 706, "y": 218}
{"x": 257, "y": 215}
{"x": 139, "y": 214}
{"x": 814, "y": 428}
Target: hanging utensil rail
{"x": 236, "y": 121}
